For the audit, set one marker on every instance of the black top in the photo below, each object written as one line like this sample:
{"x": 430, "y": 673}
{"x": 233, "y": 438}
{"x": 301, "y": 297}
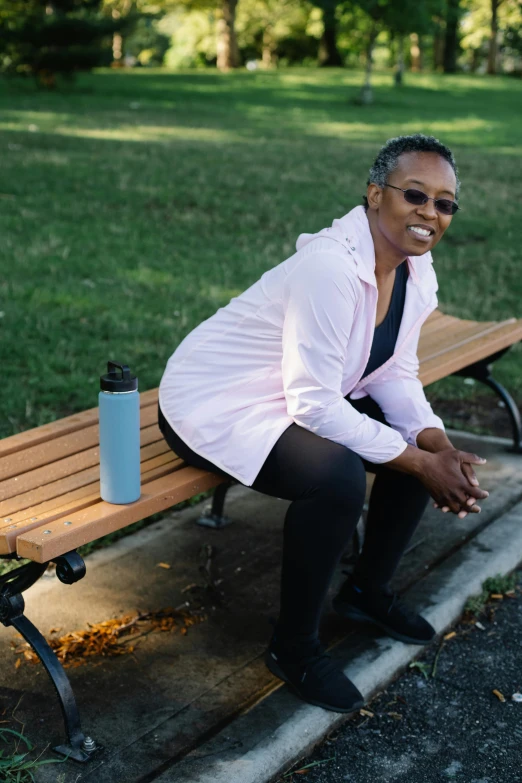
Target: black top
{"x": 385, "y": 335}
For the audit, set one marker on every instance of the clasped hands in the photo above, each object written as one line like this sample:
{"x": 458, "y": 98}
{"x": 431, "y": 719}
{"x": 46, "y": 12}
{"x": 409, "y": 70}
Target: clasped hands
{"x": 452, "y": 464}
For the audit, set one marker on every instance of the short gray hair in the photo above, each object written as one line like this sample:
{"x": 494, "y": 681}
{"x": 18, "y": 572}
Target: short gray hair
{"x": 388, "y": 158}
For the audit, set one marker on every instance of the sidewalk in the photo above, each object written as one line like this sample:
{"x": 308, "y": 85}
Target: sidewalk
{"x": 196, "y": 707}
{"x": 450, "y": 726}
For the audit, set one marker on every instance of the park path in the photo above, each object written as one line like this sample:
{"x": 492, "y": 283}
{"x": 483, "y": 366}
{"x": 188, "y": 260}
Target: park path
{"x": 181, "y": 696}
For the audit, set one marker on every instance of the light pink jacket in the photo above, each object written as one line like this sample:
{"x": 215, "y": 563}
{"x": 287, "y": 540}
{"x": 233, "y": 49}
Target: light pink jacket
{"x": 291, "y": 347}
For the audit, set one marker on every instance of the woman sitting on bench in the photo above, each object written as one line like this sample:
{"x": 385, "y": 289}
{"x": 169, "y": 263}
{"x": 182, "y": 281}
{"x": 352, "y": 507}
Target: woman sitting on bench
{"x": 307, "y": 380}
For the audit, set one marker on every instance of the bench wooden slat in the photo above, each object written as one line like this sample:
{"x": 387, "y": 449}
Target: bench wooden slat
{"x": 27, "y": 459}
{"x": 102, "y": 518}
{"x": 461, "y": 338}
{"x": 454, "y": 336}
{"x": 451, "y": 360}
{"x": 50, "y": 495}
{"x": 54, "y": 489}
{"x": 65, "y": 467}
{"x": 62, "y": 507}
{"x": 444, "y": 326}
{"x": 47, "y": 432}
{"x": 434, "y": 320}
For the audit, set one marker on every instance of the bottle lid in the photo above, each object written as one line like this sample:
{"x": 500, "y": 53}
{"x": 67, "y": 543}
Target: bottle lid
{"x": 115, "y": 381}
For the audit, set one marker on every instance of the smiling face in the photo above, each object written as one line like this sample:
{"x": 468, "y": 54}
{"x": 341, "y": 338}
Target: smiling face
{"x": 412, "y": 230}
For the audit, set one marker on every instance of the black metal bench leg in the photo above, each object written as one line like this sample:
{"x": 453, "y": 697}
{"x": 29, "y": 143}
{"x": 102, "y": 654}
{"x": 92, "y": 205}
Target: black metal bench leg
{"x": 75, "y": 737}
{"x": 481, "y": 371}
{"x": 69, "y": 568}
{"x": 512, "y": 409}
{"x": 213, "y": 516}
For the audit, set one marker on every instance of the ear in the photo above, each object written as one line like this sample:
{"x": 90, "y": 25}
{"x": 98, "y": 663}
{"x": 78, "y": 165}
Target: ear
{"x": 374, "y": 195}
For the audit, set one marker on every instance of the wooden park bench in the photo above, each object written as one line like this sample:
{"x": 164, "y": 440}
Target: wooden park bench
{"x": 49, "y": 486}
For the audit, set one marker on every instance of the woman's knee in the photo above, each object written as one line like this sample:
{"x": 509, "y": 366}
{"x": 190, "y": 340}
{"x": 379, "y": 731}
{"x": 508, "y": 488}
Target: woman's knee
{"x": 342, "y": 479}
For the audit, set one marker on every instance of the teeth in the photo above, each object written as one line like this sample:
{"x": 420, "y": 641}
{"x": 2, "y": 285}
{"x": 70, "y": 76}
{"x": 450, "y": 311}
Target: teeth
{"x": 422, "y": 231}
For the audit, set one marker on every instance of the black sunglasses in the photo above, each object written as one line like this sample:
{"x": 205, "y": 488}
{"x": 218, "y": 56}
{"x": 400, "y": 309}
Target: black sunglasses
{"x": 444, "y": 205}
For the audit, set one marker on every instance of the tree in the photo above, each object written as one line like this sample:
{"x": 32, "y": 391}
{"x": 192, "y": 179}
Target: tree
{"x": 493, "y": 43}
{"x": 409, "y": 18}
{"x": 451, "y": 36}
{"x": 226, "y": 44}
{"x": 43, "y": 38}
{"x": 227, "y": 49}
{"x": 399, "y": 19}
{"x": 135, "y": 17}
{"x": 271, "y": 29}
{"x": 488, "y": 34}
{"x": 374, "y": 10}
{"x": 328, "y": 51}
{"x": 226, "y": 39}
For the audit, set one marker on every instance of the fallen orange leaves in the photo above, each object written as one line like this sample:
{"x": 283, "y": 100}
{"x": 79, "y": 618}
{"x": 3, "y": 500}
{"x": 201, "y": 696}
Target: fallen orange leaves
{"x": 109, "y": 638}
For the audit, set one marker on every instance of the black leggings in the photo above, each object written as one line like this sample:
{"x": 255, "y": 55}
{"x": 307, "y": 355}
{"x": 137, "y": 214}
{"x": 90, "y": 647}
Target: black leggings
{"x": 326, "y": 483}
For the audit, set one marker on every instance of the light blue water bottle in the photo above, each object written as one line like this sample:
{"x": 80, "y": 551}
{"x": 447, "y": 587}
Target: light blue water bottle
{"x": 119, "y": 429}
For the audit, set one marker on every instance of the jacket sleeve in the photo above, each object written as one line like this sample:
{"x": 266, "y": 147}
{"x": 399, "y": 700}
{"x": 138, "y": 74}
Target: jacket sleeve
{"x": 400, "y": 394}
{"x": 319, "y": 301}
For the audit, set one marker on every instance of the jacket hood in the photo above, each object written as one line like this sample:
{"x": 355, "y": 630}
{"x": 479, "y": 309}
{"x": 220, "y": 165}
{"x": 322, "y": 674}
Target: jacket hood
{"x": 353, "y": 224}
{"x": 353, "y": 232}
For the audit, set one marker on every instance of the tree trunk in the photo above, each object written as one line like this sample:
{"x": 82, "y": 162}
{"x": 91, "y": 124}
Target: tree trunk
{"x": 399, "y": 73}
{"x": 392, "y": 50}
{"x": 493, "y": 42}
{"x": 117, "y": 47}
{"x": 438, "y": 50}
{"x": 415, "y": 52}
{"x": 451, "y": 36}
{"x": 227, "y": 51}
{"x": 367, "y": 92}
{"x": 268, "y": 56}
{"x": 117, "y": 42}
{"x": 328, "y": 52}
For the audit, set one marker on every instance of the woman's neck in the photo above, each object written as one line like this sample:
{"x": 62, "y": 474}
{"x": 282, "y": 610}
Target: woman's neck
{"x": 387, "y": 256}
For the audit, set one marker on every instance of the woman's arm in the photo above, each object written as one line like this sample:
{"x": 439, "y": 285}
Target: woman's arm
{"x": 319, "y": 297}
{"x": 433, "y": 439}
{"x": 400, "y": 394}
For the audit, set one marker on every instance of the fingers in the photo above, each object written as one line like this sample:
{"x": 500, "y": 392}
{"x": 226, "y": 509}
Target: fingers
{"x": 469, "y": 473}
{"x": 471, "y": 507}
{"x": 477, "y": 493}
{"x": 451, "y": 505}
{"x": 467, "y": 456}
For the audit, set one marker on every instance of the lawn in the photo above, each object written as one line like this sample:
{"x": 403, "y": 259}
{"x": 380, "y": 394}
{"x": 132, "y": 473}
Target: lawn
{"x": 136, "y": 203}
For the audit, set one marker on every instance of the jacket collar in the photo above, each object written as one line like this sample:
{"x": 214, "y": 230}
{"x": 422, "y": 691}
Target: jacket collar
{"x": 354, "y": 228}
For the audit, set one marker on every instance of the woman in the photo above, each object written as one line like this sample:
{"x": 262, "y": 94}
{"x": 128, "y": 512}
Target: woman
{"x": 307, "y": 380}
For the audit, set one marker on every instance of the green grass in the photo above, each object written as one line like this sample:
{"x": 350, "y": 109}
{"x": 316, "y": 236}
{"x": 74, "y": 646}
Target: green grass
{"x": 494, "y": 584}
{"x": 136, "y": 204}
{"x": 17, "y": 763}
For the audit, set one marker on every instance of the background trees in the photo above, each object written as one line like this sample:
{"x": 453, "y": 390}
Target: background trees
{"x": 43, "y": 38}
{"x": 47, "y": 37}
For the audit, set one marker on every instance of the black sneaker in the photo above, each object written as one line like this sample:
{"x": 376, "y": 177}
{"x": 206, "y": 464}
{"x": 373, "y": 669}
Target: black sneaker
{"x": 317, "y": 680}
{"x": 382, "y": 607}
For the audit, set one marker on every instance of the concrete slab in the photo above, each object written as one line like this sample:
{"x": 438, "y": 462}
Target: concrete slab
{"x": 264, "y": 742}
{"x": 153, "y": 709}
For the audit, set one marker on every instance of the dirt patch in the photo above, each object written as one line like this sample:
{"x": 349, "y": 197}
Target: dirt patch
{"x": 483, "y": 415}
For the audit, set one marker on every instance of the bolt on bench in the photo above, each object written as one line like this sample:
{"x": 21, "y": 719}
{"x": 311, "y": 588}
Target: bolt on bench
{"x": 49, "y": 487}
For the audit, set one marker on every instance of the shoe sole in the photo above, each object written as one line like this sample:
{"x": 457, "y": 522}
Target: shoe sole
{"x": 274, "y": 668}
{"x": 350, "y": 612}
